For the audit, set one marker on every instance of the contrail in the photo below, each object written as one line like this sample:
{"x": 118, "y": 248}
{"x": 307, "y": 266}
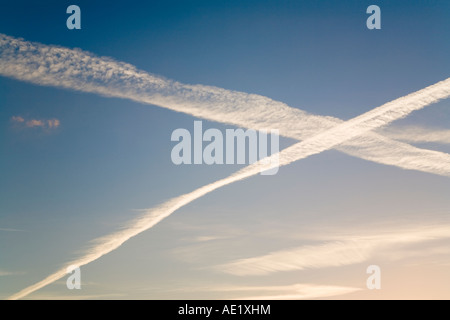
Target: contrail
{"x": 419, "y": 134}
{"x": 79, "y": 70}
{"x": 327, "y": 139}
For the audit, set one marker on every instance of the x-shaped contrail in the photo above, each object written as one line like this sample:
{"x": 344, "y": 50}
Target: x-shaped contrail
{"x": 56, "y": 66}
{"x": 79, "y": 70}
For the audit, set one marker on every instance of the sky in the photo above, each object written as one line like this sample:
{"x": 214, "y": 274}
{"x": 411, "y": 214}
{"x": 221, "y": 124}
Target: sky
{"x": 78, "y": 165}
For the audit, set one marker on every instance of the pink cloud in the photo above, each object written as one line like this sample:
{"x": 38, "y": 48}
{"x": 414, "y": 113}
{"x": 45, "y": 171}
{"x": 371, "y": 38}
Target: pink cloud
{"x": 17, "y": 119}
{"x": 36, "y": 123}
{"x": 53, "y": 123}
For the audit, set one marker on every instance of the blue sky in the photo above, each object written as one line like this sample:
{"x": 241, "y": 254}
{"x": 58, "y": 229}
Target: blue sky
{"x": 62, "y": 187}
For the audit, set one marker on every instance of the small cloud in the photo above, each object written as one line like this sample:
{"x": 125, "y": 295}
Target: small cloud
{"x": 34, "y": 123}
{"x": 53, "y": 123}
{"x": 17, "y": 119}
{"x": 46, "y": 124}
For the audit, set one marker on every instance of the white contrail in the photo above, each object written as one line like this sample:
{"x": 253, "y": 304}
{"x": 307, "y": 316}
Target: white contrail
{"x": 419, "y": 134}
{"x": 79, "y": 70}
{"x": 377, "y": 117}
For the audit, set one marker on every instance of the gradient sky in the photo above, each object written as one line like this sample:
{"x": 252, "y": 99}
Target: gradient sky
{"x": 64, "y": 186}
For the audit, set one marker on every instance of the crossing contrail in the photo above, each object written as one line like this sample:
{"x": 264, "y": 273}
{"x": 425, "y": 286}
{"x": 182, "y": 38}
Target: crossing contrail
{"x": 79, "y": 70}
{"x": 325, "y": 140}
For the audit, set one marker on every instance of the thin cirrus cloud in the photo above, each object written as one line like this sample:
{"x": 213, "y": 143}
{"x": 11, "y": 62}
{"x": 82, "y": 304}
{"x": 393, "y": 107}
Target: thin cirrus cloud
{"x": 296, "y": 292}
{"x": 51, "y": 296}
{"x": 207, "y": 238}
{"x": 11, "y": 230}
{"x": 342, "y": 251}
{"x": 78, "y": 70}
{"x": 5, "y": 273}
{"x": 327, "y": 139}
{"x": 284, "y": 292}
{"x": 35, "y": 123}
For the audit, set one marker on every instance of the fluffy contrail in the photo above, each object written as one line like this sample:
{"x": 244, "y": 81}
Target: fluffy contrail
{"x": 419, "y": 134}
{"x": 78, "y": 70}
{"x": 327, "y": 139}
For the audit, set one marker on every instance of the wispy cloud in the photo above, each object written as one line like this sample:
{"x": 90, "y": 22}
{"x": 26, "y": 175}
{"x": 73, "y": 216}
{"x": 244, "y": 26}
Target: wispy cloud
{"x": 333, "y": 254}
{"x": 284, "y": 292}
{"x": 83, "y": 71}
{"x": 4, "y": 273}
{"x": 46, "y": 124}
{"x": 55, "y": 296}
{"x": 377, "y": 117}
{"x": 342, "y": 251}
{"x": 295, "y": 292}
{"x": 207, "y": 238}
{"x": 11, "y": 230}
